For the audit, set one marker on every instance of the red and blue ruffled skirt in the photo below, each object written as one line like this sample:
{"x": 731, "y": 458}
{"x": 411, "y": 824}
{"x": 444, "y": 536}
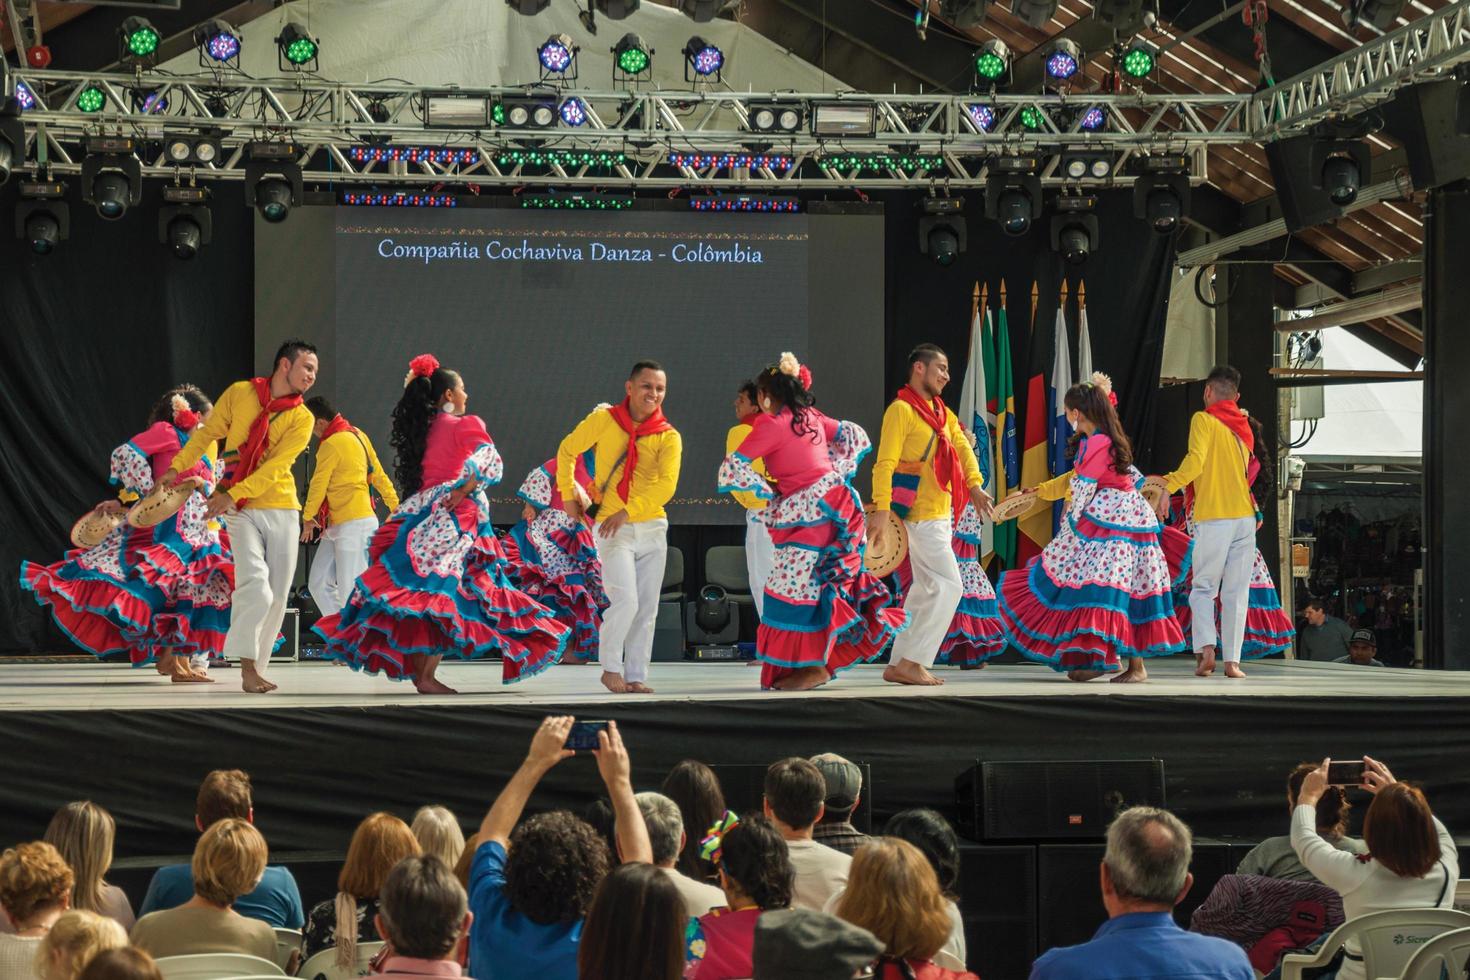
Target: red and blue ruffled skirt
{"x": 555, "y": 562}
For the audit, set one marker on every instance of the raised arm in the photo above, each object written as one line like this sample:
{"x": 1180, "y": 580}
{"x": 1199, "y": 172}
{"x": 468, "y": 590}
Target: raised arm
{"x": 548, "y": 747}
{"x": 617, "y": 775}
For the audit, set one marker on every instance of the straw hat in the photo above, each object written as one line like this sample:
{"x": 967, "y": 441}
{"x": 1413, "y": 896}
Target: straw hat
{"x": 1016, "y": 506}
{"x": 878, "y": 561}
{"x": 94, "y": 527}
{"x": 162, "y": 502}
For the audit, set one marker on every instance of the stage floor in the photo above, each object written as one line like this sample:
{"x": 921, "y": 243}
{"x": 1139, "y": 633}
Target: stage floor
{"x": 85, "y": 686}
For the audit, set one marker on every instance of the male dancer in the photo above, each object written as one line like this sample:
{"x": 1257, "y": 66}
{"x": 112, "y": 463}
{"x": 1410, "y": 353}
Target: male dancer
{"x": 1221, "y": 447}
{"x": 636, "y": 467}
{"x": 265, "y": 427}
{"x": 760, "y": 553}
{"x": 925, "y": 471}
{"x": 339, "y": 504}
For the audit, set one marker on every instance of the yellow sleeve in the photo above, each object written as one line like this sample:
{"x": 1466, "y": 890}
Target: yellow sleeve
{"x": 278, "y": 460}
{"x": 961, "y": 443}
{"x": 744, "y": 498}
{"x": 1056, "y": 488}
{"x": 215, "y": 427}
{"x": 1194, "y": 460}
{"x": 327, "y": 456}
{"x": 577, "y": 442}
{"x": 380, "y": 479}
{"x": 890, "y": 448}
{"x": 651, "y": 500}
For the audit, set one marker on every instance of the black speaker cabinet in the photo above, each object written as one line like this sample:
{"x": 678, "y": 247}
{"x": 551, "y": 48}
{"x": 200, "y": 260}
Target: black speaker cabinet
{"x": 998, "y": 904}
{"x": 1423, "y": 118}
{"x": 998, "y": 801}
{"x": 745, "y": 789}
{"x": 1212, "y": 861}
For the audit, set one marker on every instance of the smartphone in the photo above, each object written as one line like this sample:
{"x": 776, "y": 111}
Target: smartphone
{"x": 584, "y": 735}
{"x": 1348, "y": 773}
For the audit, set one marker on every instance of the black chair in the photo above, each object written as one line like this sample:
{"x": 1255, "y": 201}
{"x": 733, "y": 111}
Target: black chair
{"x": 724, "y": 565}
{"x": 668, "y": 629}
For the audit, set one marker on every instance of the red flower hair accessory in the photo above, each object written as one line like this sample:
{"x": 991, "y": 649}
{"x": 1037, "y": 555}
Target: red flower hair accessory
{"x": 804, "y": 375}
{"x": 420, "y": 367}
{"x": 1106, "y": 384}
{"x": 184, "y": 417}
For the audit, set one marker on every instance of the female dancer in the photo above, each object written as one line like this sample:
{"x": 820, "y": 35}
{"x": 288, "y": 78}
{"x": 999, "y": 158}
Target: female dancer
{"x": 553, "y": 558}
{"x": 976, "y": 633}
{"x": 1101, "y": 590}
{"x": 823, "y": 612}
{"x": 160, "y": 593}
{"x": 437, "y": 584}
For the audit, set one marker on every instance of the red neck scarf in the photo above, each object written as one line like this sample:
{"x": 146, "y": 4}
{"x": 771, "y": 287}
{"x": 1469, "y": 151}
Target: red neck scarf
{"x": 252, "y": 450}
{"x": 1228, "y": 412}
{"x": 947, "y": 469}
{"x": 749, "y": 418}
{"x": 338, "y": 424}
{"x": 624, "y": 417}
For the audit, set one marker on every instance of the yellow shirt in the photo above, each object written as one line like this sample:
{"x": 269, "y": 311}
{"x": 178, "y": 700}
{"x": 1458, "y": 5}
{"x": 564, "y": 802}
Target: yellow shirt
{"x": 904, "y": 439}
{"x": 1057, "y": 488}
{"x": 341, "y": 477}
{"x": 271, "y": 486}
{"x": 654, "y": 478}
{"x": 1215, "y": 464}
{"x": 745, "y": 498}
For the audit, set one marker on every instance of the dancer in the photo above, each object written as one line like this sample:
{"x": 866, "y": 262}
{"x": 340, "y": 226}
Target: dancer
{"x": 265, "y": 427}
{"x": 926, "y": 473}
{"x": 1221, "y": 451}
{"x": 975, "y": 633}
{"x": 162, "y": 593}
{"x": 759, "y": 552}
{"x": 553, "y": 559}
{"x": 639, "y": 451}
{"x": 438, "y": 583}
{"x": 823, "y": 611}
{"x": 1100, "y": 591}
{"x": 339, "y": 505}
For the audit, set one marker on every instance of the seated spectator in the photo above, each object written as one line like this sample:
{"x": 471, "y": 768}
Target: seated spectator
{"x": 1323, "y": 637}
{"x": 128, "y": 963}
{"x": 83, "y": 833}
{"x": 1275, "y": 857}
{"x": 531, "y": 883}
{"x": 812, "y": 946}
{"x": 380, "y": 842}
{"x": 1144, "y": 874}
{"x": 844, "y": 783}
{"x": 935, "y": 838}
{"x": 695, "y": 790}
{"x": 438, "y": 833}
{"x": 228, "y": 860}
{"x": 794, "y": 791}
{"x": 276, "y": 900}
{"x": 1362, "y": 650}
{"x": 35, "y": 888}
{"x": 635, "y": 927}
{"x": 422, "y": 914}
{"x": 1268, "y": 917}
{"x": 755, "y": 872}
{"x": 1411, "y": 861}
{"x": 666, "y": 837}
{"x": 74, "y": 939}
{"x": 894, "y": 893}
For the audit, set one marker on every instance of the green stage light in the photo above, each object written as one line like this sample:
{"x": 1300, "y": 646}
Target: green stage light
{"x": 91, "y": 99}
{"x": 296, "y": 46}
{"x": 140, "y": 39}
{"x": 633, "y": 56}
{"x": 1031, "y": 117}
{"x": 993, "y": 60}
{"x": 1140, "y": 60}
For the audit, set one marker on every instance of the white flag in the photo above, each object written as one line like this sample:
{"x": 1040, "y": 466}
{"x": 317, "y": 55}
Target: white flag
{"x": 1084, "y": 347}
{"x": 977, "y": 421}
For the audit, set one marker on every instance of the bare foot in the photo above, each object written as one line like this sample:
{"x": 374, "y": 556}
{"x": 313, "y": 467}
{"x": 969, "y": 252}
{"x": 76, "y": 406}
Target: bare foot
{"x": 638, "y": 687}
{"x": 1232, "y": 669}
{"x": 614, "y": 682}
{"x": 192, "y": 677}
{"x": 804, "y": 679}
{"x": 430, "y": 685}
{"x": 1083, "y": 675}
{"x": 250, "y": 680}
{"x": 979, "y": 666}
{"x": 1135, "y": 674}
{"x": 164, "y": 664}
{"x": 1204, "y": 662}
{"x": 910, "y": 673}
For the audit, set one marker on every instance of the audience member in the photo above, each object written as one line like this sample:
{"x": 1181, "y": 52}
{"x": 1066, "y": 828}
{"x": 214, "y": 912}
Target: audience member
{"x": 600, "y": 817}
{"x": 1276, "y": 858}
{"x": 666, "y": 838}
{"x": 799, "y": 944}
{"x": 35, "y": 888}
{"x": 755, "y": 872}
{"x": 635, "y": 927}
{"x": 83, "y": 833}
{"x": 531, "y": 883}
{"x": 229, "y": 859}
{"x": 127, "y": 963}
{"x": 1144, "y": 874}
{"x": 423, "y": 915}
{"x": 462, "y": 866}
{"x": 894, "y": 893}
{"x": 276, "y": 900}
{"x": 794, "y": 791}
{"x": 74, "y": 939}
{"x": 1362, "y": 650}
{"x": 695, "y": 789}
{"x": 380, "y": 842}
{"x": 1324, "y": 636}
{"x": 844, "y": 782}
{"x": 935, "y": 838}
{"x": 1411, "y": 861}
{"x": 438, "y": 833}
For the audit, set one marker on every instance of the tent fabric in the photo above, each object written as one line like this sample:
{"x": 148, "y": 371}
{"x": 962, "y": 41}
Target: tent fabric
{"x": 1383, "y": 421}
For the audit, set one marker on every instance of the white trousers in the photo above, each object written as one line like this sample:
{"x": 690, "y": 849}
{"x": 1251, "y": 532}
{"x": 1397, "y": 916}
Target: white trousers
{"x": 341, "y": 556}
{"x": 265, "y": 545}
{"x": 760, "y": 557}
{"x": 933, "y": 596}
{"x": 1224, "y": 551}
{"x": 632, "y": 576}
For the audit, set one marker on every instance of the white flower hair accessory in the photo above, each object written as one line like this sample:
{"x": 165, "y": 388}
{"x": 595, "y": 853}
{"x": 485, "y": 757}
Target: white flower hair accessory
{"x": 788, "y": 364}
{"x": 1103, "y": 381}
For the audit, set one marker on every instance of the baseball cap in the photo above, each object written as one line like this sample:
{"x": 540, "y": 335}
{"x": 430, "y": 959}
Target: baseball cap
{"x": 799, "y": 944}
{"x": 844, "y": 780}
{"x": 1364, "y": 636}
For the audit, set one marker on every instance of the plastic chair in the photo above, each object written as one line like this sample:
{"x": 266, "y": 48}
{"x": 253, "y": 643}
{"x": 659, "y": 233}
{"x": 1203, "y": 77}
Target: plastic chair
{"x": 672, "y": 589}
{"x": 288, "y": 943}
{"x": 216, "y": 966}
{"x": 1444, "y": 955}
{"x": 323, "y": 966}
{"x": 1387, "y": 940}
{"x": 724, "y": 565}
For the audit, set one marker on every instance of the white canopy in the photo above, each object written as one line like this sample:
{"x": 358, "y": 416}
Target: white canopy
{"x": 1365, "y": 422}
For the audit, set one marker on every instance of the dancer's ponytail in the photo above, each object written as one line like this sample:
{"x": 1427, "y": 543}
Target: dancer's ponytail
{"x": 423, "y": 392}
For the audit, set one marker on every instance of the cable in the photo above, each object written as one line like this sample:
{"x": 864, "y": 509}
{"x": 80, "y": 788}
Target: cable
{"x": 1199, "y": 277}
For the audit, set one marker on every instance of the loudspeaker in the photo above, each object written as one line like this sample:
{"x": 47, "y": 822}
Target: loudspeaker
{"x": 668, "y": 633}
{"x": 1053, "y": 800}
{"x": 1296, "y": 171}
{"x": 1212, "y": 861}
{"x": 998, "y": 905}
{"x": 745, "y": 790}
{"x": 1423, "y": 118}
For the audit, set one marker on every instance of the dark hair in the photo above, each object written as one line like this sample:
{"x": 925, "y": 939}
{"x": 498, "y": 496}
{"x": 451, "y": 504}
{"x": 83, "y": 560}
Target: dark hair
{"x": 412, "y": 417}
{"x": 321, "y": 408}
{"x": 1223, "y": 376}
{"x": 600, "y": 816}
{"x": 1266, "y": 475}
{"x": 123, "y": 963}
{"x": 789, "y": 392}
{"x": 223, "y": 793}
{"x": 163, "y": 409}
{"x": 1094, "y": 404}
{"x": 554, "y": 865}
{"x": 1332, "y": 808}
{"x": 796, "y": 791}
{"x": 750, "y": 390}
{"x": 755, "y": 856}
{"x": 291, "y": 350}
{"x": 635, "y": 927}
{"x": 926, "y": 353}
{"x": 1399, "y": 831}
{"x": 642, "y": 366}
{"x": 1314, "y": 604}
{"x": 928, "y": 831}
{"x": 696, "y": 789}
{"x": 423, "y": 907}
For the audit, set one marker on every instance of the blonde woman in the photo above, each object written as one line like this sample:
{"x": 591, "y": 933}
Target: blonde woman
{"x": 35, "y": 888}
{"x": 83, "y": 832}
{"x": 73, "y": 941}
{"x": 380, "y": 841}
{"x": 439, "y": 834}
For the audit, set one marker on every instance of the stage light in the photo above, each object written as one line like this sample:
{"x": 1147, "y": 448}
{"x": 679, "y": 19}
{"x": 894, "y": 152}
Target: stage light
{"x": 137, "y": 40}
{"x": 982, "y": 115}
{"x": 560, "y": 158}
{"x": 774, "y": 117}
{"x": 273, "y": 184}
{"x": 855, "y": 119}
{"x": 1124, "y": 17}
{"x": 942, "y": 233}
{"x": 399, "y": 199}
{"x": 703, "y": 58}
{"x": 184, "y": 223}
{"x": 1140, "y": 60}
{"x": 993, "y": 60}
{"x": 880, "y": 162}
{"x": 1063, "y": 58}
{"x": 1093, "y": 119}
{"x": 1074, "y": 231}
{"x": 963, "y": 13}
{"x": 24, "y": 97}
{"x": 704, "y": 11}
{"x": 1037, "y": 13}
{"x": 731, "y": 161}
{"x": 744, "y": 202}
{"x": 110, "y": 195}
{"x": 12, "y": 139}
{"x": 1032, "y": 118}
{"x": 1380, "y": 13}
{"x": 631, "y": 57}
{"x": 1084, "y": 165}
{"x": 217, "y": 41}
{"x": 188, "y": 150}
{"x": 557, "y": 54}
{"x": 112, "y": 177}
{"x": 616, "y": 9}
{"x": 91, "y": 99}
{"x": 42, "y": 218}
{"x": 295, "y": 48}
{"x": 1161, "y": 199}
{"x": 530, "y": 111}
{"x": 1340, "y": 180}
{"x": 148, "y": 101}
{"x": 528, "y": 8}
{"x": 414, "y": 154}
{"x": 573, "y": 112}
{"x": 1013, "y": 193}
{"x": 447, "y": 110}
{"x": 577, "y": 201}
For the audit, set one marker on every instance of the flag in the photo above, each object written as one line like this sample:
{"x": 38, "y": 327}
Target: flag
{"x": 1035, "y": 528}
{"x": 1060, "y": 429}
{"x": 975, "y": 417}
{"x": 1001, "y": 399}
{"x": 1084, "y": 346}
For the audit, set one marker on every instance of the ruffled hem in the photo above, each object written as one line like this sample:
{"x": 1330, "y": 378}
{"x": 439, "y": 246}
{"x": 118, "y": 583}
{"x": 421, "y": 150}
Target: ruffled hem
{"x": 98, "y": 615}
{"x": 1178, "y": 550}
{"x": 972, "y": 640}
{"x": 1268, "y": 630}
